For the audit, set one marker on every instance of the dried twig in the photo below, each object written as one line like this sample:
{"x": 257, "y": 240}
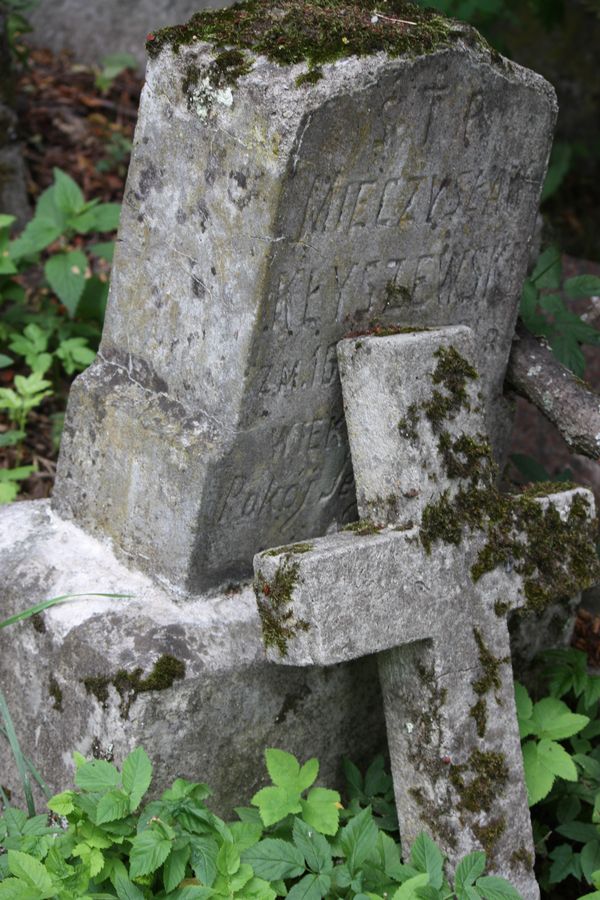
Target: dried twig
{"x": 391, "y": 19}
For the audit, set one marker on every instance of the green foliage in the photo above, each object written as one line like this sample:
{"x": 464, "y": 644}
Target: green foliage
{"x": 112, "y": 66}
{"x": 17, "y": 24}
{"x": 544, "y": 312}
{"x": 290, "y": 845}
{"x": 534, "y": 472}
{"x": 567, "y": 818}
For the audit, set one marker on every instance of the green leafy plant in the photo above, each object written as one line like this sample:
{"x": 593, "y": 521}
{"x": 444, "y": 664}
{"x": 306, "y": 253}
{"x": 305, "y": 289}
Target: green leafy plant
{"x": 566, "y": 819}
{"x": 545, "y": 313}
{"x": 17, "y": 24}
{"x": 28, "y": 392}
{"x": 289, "y": 842}
{"x": 544, "y": 724}
{"x": 112, "y": 66}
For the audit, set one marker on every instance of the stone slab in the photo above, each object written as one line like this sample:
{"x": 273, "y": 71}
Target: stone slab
{"x": 254, "y": 235}
{"x": 212, "y": 725}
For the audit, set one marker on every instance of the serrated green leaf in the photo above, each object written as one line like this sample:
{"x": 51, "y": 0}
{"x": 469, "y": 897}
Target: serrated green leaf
{"x": 149, "y": 850}
{"x": 314, "y": 847}
{"x": 113, "y": 805}
{"x": 105, "y": 217}
{"x": 137, "y": 775}
{"x": 494, "y": 888}
{"x": 15, "y": 889}
{"x": 358, "y": 839}
{"x": 553, "y": 719}
{"x": 245, "y": 834}
{"x": 273, "y": 859}
{"x": 67, "y": 195}
{"x": 175, "y": 866}
{"x": 311, "y": 887}
{"x": 283, "y": 768}
{"x": 408, "y": 891}
{"x": 97, "y": 775}
{"x": 62, "y": 803}
{"x": 426, "y": 856}
{"x": 581, "y": 832}
{"x": 126, "y": 889}
{"x": 469, "y": 869}
{"x": 275, "y": 803}
{"x": 228, "y": 859}
{"x": 65, "y": 273}
{"x": 538, "y": 779}
{"x": 321, "y": 809}
{"x": 547, "y": 273}
{"x": 31, "y": 871}
{"x": 204, "y": 858}
{"x": 38, "y": 234}
{"x": 556, "y": 759}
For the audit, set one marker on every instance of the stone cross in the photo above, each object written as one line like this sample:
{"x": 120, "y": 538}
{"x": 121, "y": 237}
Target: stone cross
{"x": 262, "y": 221}
{"x": 425, "y": 580}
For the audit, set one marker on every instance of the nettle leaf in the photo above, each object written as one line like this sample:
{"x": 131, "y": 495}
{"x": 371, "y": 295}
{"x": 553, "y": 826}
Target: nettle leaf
{"x": 590, "y": 859}
{"x": 137, "y": 775}
{"x": 581, "y": 832}
{"x": 569, "y": 353}
{"x": 246, "y": 834}
{"x": 313, "y": 846}
{"x": 97, "y": 775}
{"x": 228, "y": 860}
{"x": 275, "y": 803}
{"x": 321, "y": 809}
{"x": 564, "y": 863}
{"x": 15, "y": 889}
{"x": 37, "y": 235}
{"x": 65, "y": 273}
{"x": 149, "y": 850}
{"x": 273, "y": 859}
{"x": 494, "y": 888}
{"x": 359, "y": 839}
{"x": 426, "y": 856}
{"x": 106, "y": 216}
{"x": 553, "y": 719}
{"x": 125, "y": 888}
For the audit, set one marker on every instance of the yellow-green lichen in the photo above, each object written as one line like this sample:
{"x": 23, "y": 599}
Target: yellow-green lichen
{"x": 363, "y": 527}
{"x": 128, "y": 685}
{"x": 480, "y": 781}
{"x": 274, "y": 599}
{"x": 451, "y": 373}
{"x": 489, "y": 681}
{"x": 489, "y": 835}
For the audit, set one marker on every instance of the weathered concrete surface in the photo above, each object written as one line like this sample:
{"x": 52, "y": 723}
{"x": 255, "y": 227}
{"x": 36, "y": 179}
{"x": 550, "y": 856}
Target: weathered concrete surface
{"x": 13, "y": 193}
{"x": 254, "y": 235}
{"x": 212, "y": 725}
{"x": 443, "y": 641}
{"x": 93, "y": 30}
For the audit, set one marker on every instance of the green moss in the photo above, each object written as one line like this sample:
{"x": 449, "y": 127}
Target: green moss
{"x": 311, "y": 77}
{"x": 288, "y": 548}
{"x": 544, "y": 488}
{"x": 522, "y": 859}
{"x": 37, "y": 620}
{"x": 313, "y": 31}
{"x": 55, "y": 691}
{"x": 467, "y": 457}
{"x": 363, "y": 527}
{"x": 480, "y": 781}
{"x": 501, "y": 608}
{"x": 274, "y": 600}
{"x": 396, "y": 294}
{"x": 489, "y": 835}
{"x": 166, "y": 670}
{"x": 489, "y": 681}
{"x": 381, "y": 329}
{"x": 407, "y": 426}
{"x": 451, "y": 373}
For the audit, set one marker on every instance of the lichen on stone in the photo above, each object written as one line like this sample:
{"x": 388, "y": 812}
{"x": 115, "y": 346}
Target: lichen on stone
{"x": 274, "y": 599}
{"x": 451, "y": 373}
{"x": 289, "y": 548}
{"x": 488, "y": 682}
{"x": 363, "y": 527}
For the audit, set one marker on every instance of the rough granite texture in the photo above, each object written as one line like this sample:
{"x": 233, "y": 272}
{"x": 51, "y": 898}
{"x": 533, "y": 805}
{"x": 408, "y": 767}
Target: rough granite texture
{"x": 444, "y": 660}
{"x": 212, "y": 725}
{"x": 261, "y": 223}
{"x": 93, "y": 30}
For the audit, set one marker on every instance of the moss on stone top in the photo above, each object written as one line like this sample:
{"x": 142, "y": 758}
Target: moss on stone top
{"x": 313, "y": 31}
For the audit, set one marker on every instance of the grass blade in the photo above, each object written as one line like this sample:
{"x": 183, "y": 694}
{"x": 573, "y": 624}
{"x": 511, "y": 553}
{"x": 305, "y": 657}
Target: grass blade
{"x": 46, "y": 604}
{"x": 17, "y": 753}
{"x": 34, "y": 772}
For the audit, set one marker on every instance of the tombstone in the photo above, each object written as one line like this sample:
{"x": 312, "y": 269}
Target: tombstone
{"x": 425, "y": 580}
{"x": 262, "y": 222}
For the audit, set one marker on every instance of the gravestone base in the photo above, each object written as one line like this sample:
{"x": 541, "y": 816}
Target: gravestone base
{"x": 212, "y": 725}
